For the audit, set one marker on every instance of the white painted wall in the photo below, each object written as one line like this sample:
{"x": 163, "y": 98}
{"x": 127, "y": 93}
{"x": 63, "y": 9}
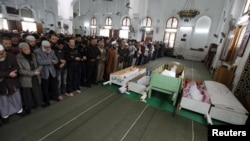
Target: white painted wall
{"x": 219, "y": 11}
{"x": 44, "y": 10}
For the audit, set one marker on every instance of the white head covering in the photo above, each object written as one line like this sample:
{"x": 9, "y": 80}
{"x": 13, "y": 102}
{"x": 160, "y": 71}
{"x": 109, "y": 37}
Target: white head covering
{"x": 23, "y": 44}
{"x": 114, "y": 42}
{"x": 1, "y": 47}
{"x": 45, "y": 43}
{"x": 30, "y": 38}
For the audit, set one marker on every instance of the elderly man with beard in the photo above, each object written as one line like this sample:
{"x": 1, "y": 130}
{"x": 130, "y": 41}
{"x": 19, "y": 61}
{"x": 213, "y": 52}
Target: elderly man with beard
{"x": 29, "y": 78}
{"x": 112, "y": 59}
{"x": 10, "y": 98}
{"x": 47, "y": 58}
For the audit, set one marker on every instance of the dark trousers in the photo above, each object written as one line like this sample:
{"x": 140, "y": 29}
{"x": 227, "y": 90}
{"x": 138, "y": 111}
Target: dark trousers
{"x": 91, "y": 72}
{"x": 50, "y": 84}
{"x": 73, "y": 79}
{"x": 32, "y": 97}
{"x": 83, "y": 79}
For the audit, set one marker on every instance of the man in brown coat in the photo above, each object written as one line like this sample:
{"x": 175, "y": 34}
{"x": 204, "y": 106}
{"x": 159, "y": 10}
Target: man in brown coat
{"x": 112, "y": 59}
{"x": 10, "y": 99}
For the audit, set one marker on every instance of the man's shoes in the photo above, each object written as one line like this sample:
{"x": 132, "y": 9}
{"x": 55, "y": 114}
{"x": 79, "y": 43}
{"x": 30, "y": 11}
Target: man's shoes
{"x": 60, "y": 98}
{"x": 69, "y": 94}
{"x": 78, "y": 91}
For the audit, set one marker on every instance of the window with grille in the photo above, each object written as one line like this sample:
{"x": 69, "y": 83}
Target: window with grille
{"x": 26, "y": 12}
{"x": 170, "y": 32}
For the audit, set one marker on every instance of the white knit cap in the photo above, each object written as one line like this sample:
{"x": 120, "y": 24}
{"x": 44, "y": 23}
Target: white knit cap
{"x": 23, "y": 44}
{"x": 45, "y": 43}
{"x": 114, "y": 42}
{"x": 1, "y": 48}
{"x": 30, "y": 38}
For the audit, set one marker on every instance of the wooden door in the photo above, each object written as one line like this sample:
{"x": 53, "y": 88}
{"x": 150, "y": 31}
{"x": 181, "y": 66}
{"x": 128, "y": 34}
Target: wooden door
{"x": 14, "y": 25}
{"x": 115, "y": 33}
{"x": 39, "y": 27}
{"x": 147, "y": 36}
{"x": 110, "y": 33}
{"x": 19, "y": 26}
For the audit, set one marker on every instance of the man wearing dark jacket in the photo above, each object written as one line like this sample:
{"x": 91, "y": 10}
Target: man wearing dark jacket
{"x": 61, "y": 69}
{"x": 10, "y": 98}
{"x": 93, "y": 55}
{"x": 72, "y": 56}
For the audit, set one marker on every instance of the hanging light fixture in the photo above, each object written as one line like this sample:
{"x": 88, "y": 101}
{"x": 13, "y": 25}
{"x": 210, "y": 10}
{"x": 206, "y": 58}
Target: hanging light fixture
{"x": 188, "y": 12}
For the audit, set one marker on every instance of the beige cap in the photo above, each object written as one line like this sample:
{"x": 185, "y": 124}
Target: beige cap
{"x": 45, "y": 43}
{"x": 30, "y": 38}
{"x": 23, "y": 44}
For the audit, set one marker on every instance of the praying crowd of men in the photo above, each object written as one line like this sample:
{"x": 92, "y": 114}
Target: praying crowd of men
{"x": 37, "y": 68}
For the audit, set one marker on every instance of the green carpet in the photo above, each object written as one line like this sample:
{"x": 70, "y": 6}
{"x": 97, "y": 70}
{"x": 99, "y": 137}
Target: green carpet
{"x": 163, "y": 102}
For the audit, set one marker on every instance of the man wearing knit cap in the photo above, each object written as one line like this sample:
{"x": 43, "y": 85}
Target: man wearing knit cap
{"x": 29, "y": 78}
{"x": 10, "y": 98}
{"x": 47, "y": 58}
{"x": 31, "y": 40}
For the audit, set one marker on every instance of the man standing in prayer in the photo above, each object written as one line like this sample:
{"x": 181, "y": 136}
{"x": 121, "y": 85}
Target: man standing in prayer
{"x": 61, "y": 69}
{"x": 46, "y": 57}
{"x": 112, "y": 59}
{"x": 31, "y": 40}
{"x": 101, "y": 62}
{"x": 10, "y": 98}
{"x": 93, "y": 55}
{"x": 29, "y": 78}
{"x": 73, "y": 58}
{"x": 6, "y": 43}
